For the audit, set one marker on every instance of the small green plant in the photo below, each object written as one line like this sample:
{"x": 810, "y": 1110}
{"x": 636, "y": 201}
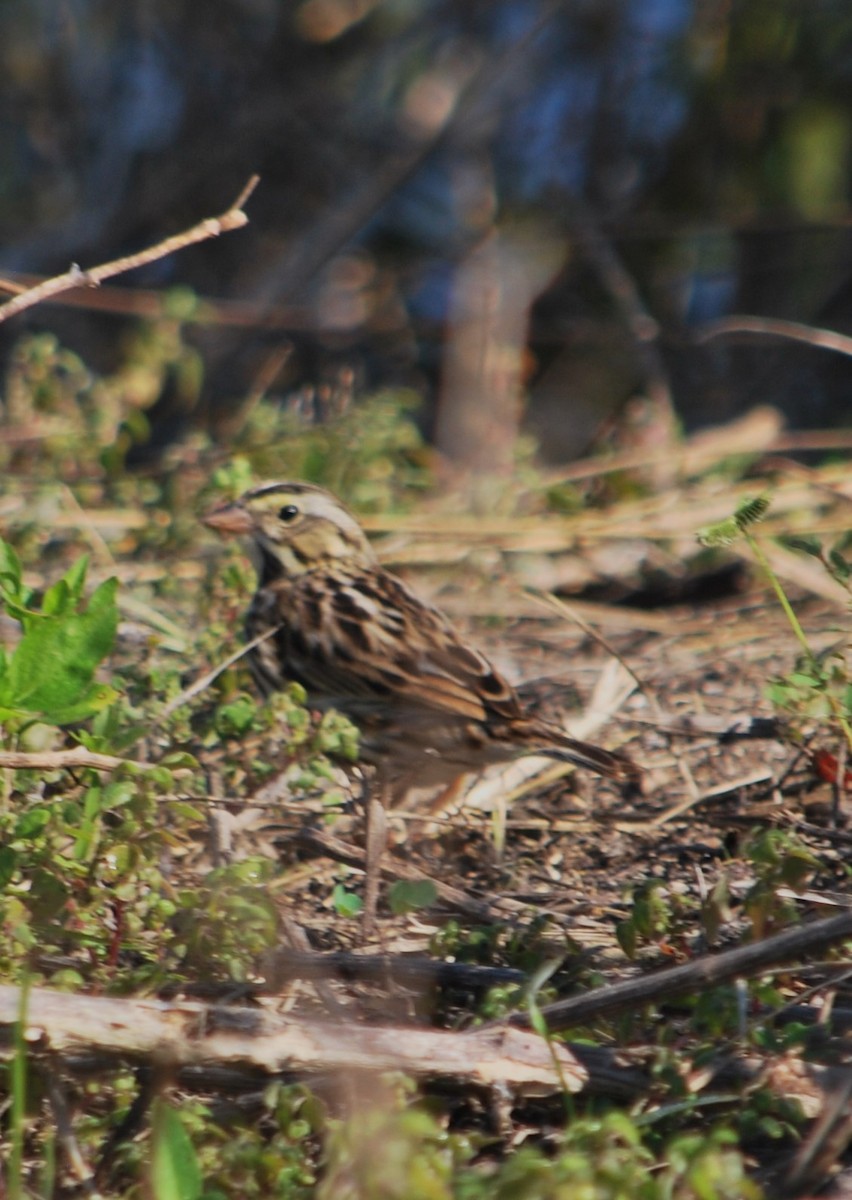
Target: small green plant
{"x": 833, "y": 559}
{"x": 268, "y": 1158}
{"x": 780, "y": 861}
{"x": 605, "y": 1158}
{"x": 370, "y": 454}
{"x": 49, "y": 677}
{"x": 771, "y": 1117}
{"x": 650, "y": 917}
{"x": 225, "y": 922}
{"x": 346, "y": 903}
{"x": 815, "y": 680}
{"x": 393, "y": 1150}
{"x": 408, "y": 895}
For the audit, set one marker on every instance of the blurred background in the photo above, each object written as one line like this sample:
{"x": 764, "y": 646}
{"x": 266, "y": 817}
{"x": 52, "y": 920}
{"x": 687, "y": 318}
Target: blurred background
{"x": 521, "y": 216}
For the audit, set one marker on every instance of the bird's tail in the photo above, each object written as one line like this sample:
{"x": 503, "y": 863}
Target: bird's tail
{"x": 594, "y": 758}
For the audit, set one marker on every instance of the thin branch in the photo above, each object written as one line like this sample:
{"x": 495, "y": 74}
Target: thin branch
{"x": 712, "y": 970}
{"x": 204, "y": 682}
{"x": 395, "y": 970}
{"x": 65, "y": 1135}
{"x": 826, "y": 339}
{"x": 57, "y": 760}
{"x": 825, "y": 1143}
{"x": 318, "y": 841}
{"x": 233, "y": 218}
{"x": 148, "y": 303}
{"x": 553, "y": 602}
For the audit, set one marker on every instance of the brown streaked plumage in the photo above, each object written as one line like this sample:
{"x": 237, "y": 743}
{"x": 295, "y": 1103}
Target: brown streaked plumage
{"x": 429, "y": 707}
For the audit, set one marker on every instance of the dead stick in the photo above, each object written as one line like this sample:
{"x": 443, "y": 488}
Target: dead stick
{"x": 400, "y": 969}
{"x": 187, "y": 1034}
{"x": 80, "y": 1168}
{"x": 826, "y": 339}
{"x": 709, "y": 971}
{"x": 56, "y": 760}
{"x": 234, "y": 218}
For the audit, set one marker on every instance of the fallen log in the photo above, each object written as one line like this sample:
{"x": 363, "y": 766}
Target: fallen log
{"x": 175, "y": 1035}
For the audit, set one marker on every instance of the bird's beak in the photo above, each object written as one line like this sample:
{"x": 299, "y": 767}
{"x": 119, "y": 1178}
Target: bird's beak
{"x": 229, "y": 519}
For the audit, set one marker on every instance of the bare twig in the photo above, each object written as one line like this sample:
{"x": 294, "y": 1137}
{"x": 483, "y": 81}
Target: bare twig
{"x": 233, "y": 218}
{"x": 392, "y": 868}
{"x": 148, "y": 303}
{"x": 80, "y": 1168}
{"x": 404, "y": 970}
{"x": 204, "y": 682}
{"x": 9, "y": 285}
{"x": 57, "y": 760}
{"x": 553, "y": 602}
{"x": 696, "y": 797}
{"x": 825, "y": 1142}
{"x": 795, "y": 331}
{"x": 709, "y": 971}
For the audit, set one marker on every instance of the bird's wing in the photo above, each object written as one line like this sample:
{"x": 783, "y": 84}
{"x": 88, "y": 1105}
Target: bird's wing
{"x": 364, "y": 636}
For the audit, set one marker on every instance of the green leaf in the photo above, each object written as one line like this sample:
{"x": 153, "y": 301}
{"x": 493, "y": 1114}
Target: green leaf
{"x": 13, "y": 594}
{"x": 86, "y": 840}
{"x": 57, "y": 600}
{"x": 801, "y": 679}
{"x": 778, "y": 694}
{"x": 30, "y": 824}
{"x": 117, "y": 794}
{"x": 175, "y": 1173}
{"x": 804, "y": 543}
{"x": 50, "y": 672}
{"x": 235, "y": 718}
{"x": 98, "y": 696}
{"x": 409, "y": 894}
{"x": 179, "y": 758}
{"x": 93, "y": 802}
{"x": 346, "y": 904}
{"x": 75, "y": 578}
{"x": 11, "y": 585}
{"x": 625, "y": 931}
{"x": 537, "y": 1020}
{"x": 182, "y": 811}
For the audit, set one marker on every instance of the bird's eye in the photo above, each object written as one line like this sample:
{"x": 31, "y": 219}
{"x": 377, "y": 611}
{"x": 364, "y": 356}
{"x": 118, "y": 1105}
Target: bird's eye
{"x": 288, "y": 512}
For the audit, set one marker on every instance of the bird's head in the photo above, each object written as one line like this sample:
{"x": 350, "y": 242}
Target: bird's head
{"x": 293, "y": 528}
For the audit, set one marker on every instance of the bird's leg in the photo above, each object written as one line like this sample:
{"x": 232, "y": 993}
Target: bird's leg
{"x": 377, "y": 840}
{"x": 448, "y": 796}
